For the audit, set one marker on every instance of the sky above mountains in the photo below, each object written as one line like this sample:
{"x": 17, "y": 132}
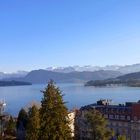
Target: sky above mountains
{"x": 38, "y": 34}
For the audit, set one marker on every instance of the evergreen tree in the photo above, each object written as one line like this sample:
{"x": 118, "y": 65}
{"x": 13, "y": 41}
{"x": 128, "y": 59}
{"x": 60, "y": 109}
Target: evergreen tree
{"x": 21, "y": 124}
{"x": 11, "y": 127}
{"x": 22, "y": 118}
{"x": 121, "y": 137}
{"x": 97, "y": 126}
{"x": 32, "y": 128}
{"x": 54, "y": 121}
{"x": 76, "y": 125}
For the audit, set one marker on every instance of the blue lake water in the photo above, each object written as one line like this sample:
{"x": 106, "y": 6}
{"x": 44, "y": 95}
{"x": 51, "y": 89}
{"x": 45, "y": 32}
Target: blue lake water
{"x": 76, "y": 95}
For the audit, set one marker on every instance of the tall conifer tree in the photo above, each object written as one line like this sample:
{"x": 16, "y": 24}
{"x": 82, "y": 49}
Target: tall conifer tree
{"x": 21, "y": 124}
{"x": 54, "y": 121}
{"x": 32, "y": 129}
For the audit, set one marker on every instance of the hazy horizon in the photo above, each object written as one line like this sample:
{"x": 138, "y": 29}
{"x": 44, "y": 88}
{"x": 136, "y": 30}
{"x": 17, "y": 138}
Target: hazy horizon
{"x": 58, "y": 67}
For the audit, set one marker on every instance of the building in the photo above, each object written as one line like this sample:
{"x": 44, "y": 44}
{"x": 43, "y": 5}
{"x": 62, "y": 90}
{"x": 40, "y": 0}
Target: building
{"x": 124, "y": 119}
{"x": 71, "y": 116}
{"x": 3, "y": 117}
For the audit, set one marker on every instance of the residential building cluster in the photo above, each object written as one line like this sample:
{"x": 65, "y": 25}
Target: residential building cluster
{"x": 124, "y": 119}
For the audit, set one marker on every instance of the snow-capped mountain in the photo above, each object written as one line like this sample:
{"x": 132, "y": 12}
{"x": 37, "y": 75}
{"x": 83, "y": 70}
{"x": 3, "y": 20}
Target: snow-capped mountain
{"x": 123, "y": 69}
{"x": 61, "y": 69}
{"x": 129, "y": 68}
{"x": 82, "y": 68}
{"x": 17, "y": 74}
{"x": 88, "y": 68}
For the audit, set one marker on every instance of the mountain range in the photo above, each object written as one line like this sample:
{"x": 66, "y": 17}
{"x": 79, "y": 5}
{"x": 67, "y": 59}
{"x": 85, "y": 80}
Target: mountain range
{"x": 43, "y": 76}
{"x": 122, "y": 69}
{"x": 71, "y": 73}
{"x": 131, "y": 79}
{"x": 17, "y": 74}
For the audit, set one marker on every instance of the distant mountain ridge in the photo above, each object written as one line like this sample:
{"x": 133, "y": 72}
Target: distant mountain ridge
{"x": 130, "y": 76}
{"x": 14, "y": 83}
{"x": 73, "y": 69}
{"x": 13, "y": 75}
{"x": 65, "y": 72}
{"x": 43, "y": 76}
{"x": 81, "y": 68}
{"x": 132, "y": 79}
{"x": 123, "y": 69}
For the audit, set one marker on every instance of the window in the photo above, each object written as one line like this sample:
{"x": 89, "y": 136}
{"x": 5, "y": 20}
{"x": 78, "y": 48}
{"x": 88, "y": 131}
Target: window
{"x": 135, "y": 118}
{"x": 117, "y": 117}
{"x": 128, "y": 118}
{"x": 106, "y": 116}
{"x": 122, "y": 117}
{"x": 111, "y": 116}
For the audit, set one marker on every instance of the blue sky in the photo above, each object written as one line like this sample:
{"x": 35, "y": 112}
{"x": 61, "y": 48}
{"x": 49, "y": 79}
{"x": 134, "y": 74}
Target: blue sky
{"x": 41, "y": 33}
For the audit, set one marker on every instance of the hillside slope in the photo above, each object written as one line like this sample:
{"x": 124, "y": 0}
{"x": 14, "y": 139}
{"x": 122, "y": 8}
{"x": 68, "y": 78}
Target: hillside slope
{"x": 43, "y": 76}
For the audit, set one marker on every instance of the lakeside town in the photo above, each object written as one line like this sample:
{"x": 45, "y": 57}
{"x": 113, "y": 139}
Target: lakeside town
{"x": 101, "y": 120}
{"x": 69, "y": 69}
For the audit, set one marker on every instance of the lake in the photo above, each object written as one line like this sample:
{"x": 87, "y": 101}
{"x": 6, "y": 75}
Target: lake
{"x": 76, "y": 95}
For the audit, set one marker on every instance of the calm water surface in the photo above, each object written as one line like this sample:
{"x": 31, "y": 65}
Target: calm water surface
{"x": 75, "y": 94}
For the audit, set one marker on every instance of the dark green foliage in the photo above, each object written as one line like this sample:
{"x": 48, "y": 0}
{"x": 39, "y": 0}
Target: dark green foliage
{"x": 32, "y": 128}
{"x": 22, "y": 118}
{"x": 97, "y": 126}
{"x": 110, "y": 82}
{"x": 21, "y": 124}
{"x": 10, "y": 127}
{"x": 76, "y": 126}
{"x": 121, "y": 137}
{"x": 54, "y": 122}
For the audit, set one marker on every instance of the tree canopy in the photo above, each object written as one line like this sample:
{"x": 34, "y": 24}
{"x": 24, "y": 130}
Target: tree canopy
{"x": 54, "y": 121}
{"x": 33, "y": 124}
{"x": 97, "y": 126}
